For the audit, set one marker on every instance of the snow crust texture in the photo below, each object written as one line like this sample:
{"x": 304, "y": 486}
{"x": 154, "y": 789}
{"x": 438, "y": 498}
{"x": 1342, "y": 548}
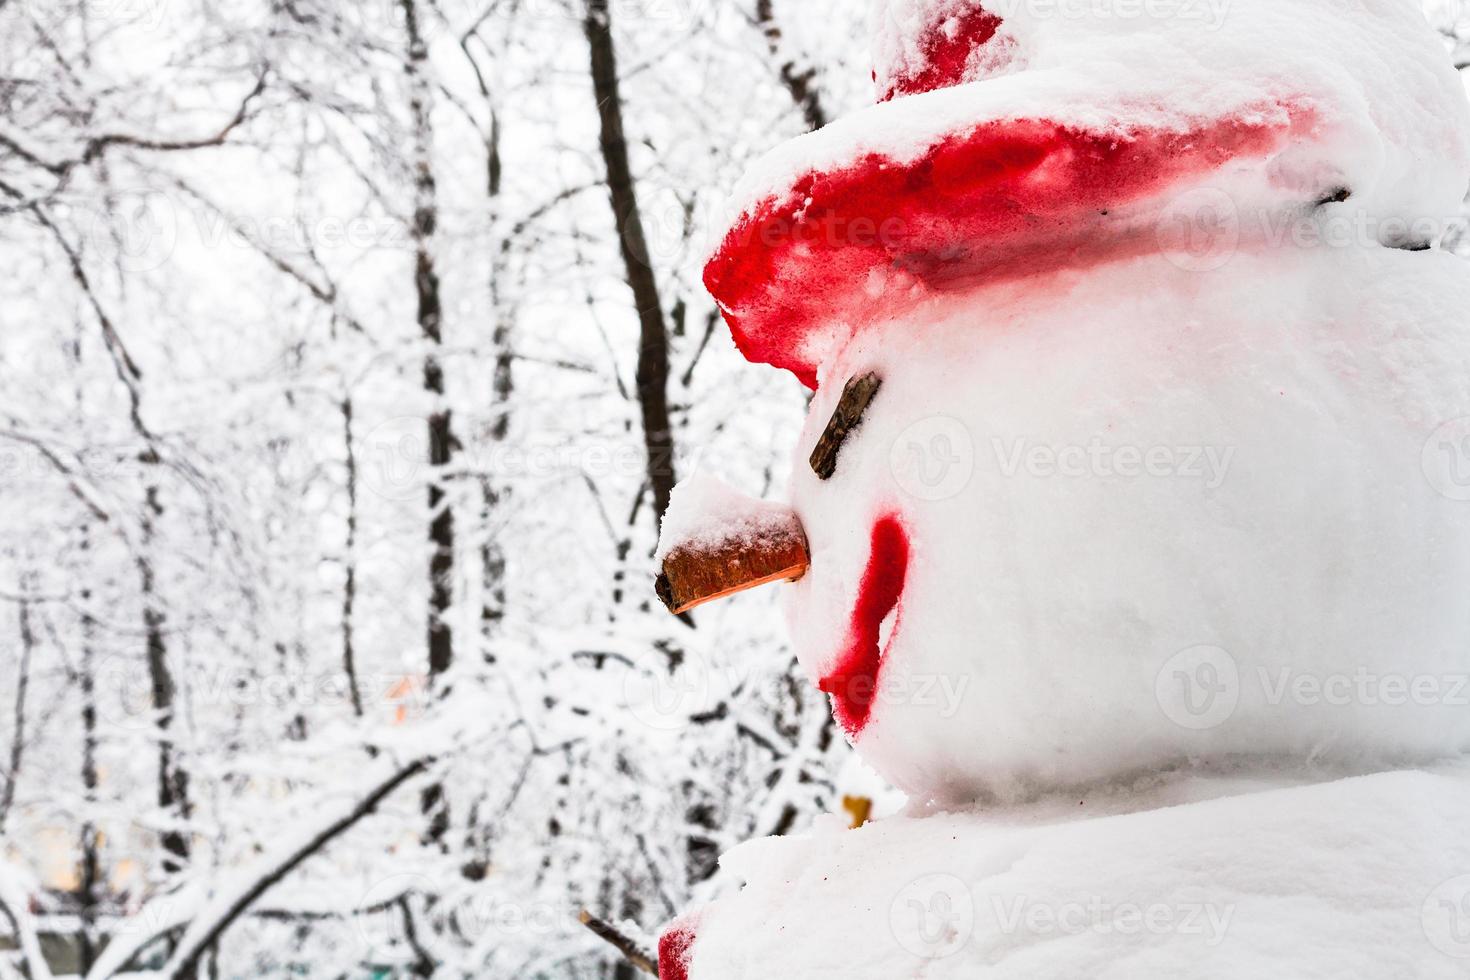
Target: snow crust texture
{"x": 1199, "y": 879}
{"x": 707, "y": 514}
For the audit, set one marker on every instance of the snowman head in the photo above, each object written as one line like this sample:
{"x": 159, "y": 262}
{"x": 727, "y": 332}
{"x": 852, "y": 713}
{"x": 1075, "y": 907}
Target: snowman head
{"x": 1018, "y": 136}
{"x": 1095, "y": 509}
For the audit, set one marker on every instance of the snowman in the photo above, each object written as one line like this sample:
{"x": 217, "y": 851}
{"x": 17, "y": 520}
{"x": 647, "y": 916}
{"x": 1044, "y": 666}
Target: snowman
{"x": 1130, "y": 529}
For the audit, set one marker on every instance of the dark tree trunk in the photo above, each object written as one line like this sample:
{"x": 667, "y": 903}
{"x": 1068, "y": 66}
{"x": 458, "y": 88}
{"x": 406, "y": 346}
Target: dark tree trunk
{"x": 653, "y": 347}
{"x": 496, "y": 495}
{"x": 493, "y": 493}
{"x": 349, "y": 584}
{"x": 492, "y": 555}
{"x": 173, "y": 779}
{"x": 89, "y": 841}
{"x": 430, "y": 317}
{"x": 433, "y": 801}
{"x": 798, "y": 83}
{"x": 91, "y": 865}
{"x": 22, "y": 688}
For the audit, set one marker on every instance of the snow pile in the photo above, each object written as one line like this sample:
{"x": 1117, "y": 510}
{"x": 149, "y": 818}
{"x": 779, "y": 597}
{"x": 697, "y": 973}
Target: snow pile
{"x": 1223, "y": 878}
{"x": 706, "y": 514}
{"x": 1152, "y": 515}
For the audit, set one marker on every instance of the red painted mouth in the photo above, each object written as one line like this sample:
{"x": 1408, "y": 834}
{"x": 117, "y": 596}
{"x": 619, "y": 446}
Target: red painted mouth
{"x": 853, "y": 684}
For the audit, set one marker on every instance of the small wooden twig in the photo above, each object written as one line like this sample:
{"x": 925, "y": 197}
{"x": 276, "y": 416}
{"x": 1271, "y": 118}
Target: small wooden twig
{"x": 860, "y": 808}
{"x": 856, "y": 398}
{"x": 626, "y": 945}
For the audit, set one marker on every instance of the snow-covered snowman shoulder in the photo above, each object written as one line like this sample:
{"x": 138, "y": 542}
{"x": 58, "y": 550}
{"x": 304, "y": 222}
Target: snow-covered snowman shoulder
{"x": 1363, "y": 876}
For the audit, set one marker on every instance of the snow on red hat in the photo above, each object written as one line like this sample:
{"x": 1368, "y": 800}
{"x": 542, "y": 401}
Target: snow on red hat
{"x": 923, "y": 47}
{"x": 1016, "y": 135}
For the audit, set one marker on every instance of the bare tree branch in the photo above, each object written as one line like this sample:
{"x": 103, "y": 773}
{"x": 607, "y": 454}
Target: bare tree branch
{"x": 96, "y": 146}
{"x": 205, "y": 931}
{"x": 14, "y": 908}
{"x": 653, "y": 345}
{"x": 642, "y": 959}
{"x": 798, "y": 83}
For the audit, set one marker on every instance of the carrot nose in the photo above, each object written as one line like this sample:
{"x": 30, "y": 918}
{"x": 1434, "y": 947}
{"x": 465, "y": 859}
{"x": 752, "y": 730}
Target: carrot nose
{"x": 759, "y": 547}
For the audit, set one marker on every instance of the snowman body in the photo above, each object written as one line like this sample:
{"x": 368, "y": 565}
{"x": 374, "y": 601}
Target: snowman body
{"x": 1150, "y": 515}
{"x": 1204, "y": 879}
{"x": 1160, "y": 512}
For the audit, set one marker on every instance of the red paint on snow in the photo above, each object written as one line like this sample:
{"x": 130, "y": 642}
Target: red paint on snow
{"x": 853, "y": 683}
{"x": 1005, "y": 199}
{"x": 674, "y": 950}
{"x": 945, "y": 48}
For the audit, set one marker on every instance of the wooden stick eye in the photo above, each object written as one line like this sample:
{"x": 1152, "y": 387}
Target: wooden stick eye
{"x": 856, "y": 398}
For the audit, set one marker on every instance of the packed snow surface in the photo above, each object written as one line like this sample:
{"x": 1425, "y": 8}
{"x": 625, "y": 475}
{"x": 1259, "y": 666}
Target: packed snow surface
{"x": 1151, "y": 513}
{"x": 1195, "y": 878}
{"x": 707, "y": 514}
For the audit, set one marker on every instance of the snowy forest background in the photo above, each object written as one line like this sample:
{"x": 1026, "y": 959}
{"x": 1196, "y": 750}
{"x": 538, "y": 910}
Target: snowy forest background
{"x": 348, "y": 352}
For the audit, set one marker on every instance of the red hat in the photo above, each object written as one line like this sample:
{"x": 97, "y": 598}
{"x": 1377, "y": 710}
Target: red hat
{"x": 1006, "y": 145}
